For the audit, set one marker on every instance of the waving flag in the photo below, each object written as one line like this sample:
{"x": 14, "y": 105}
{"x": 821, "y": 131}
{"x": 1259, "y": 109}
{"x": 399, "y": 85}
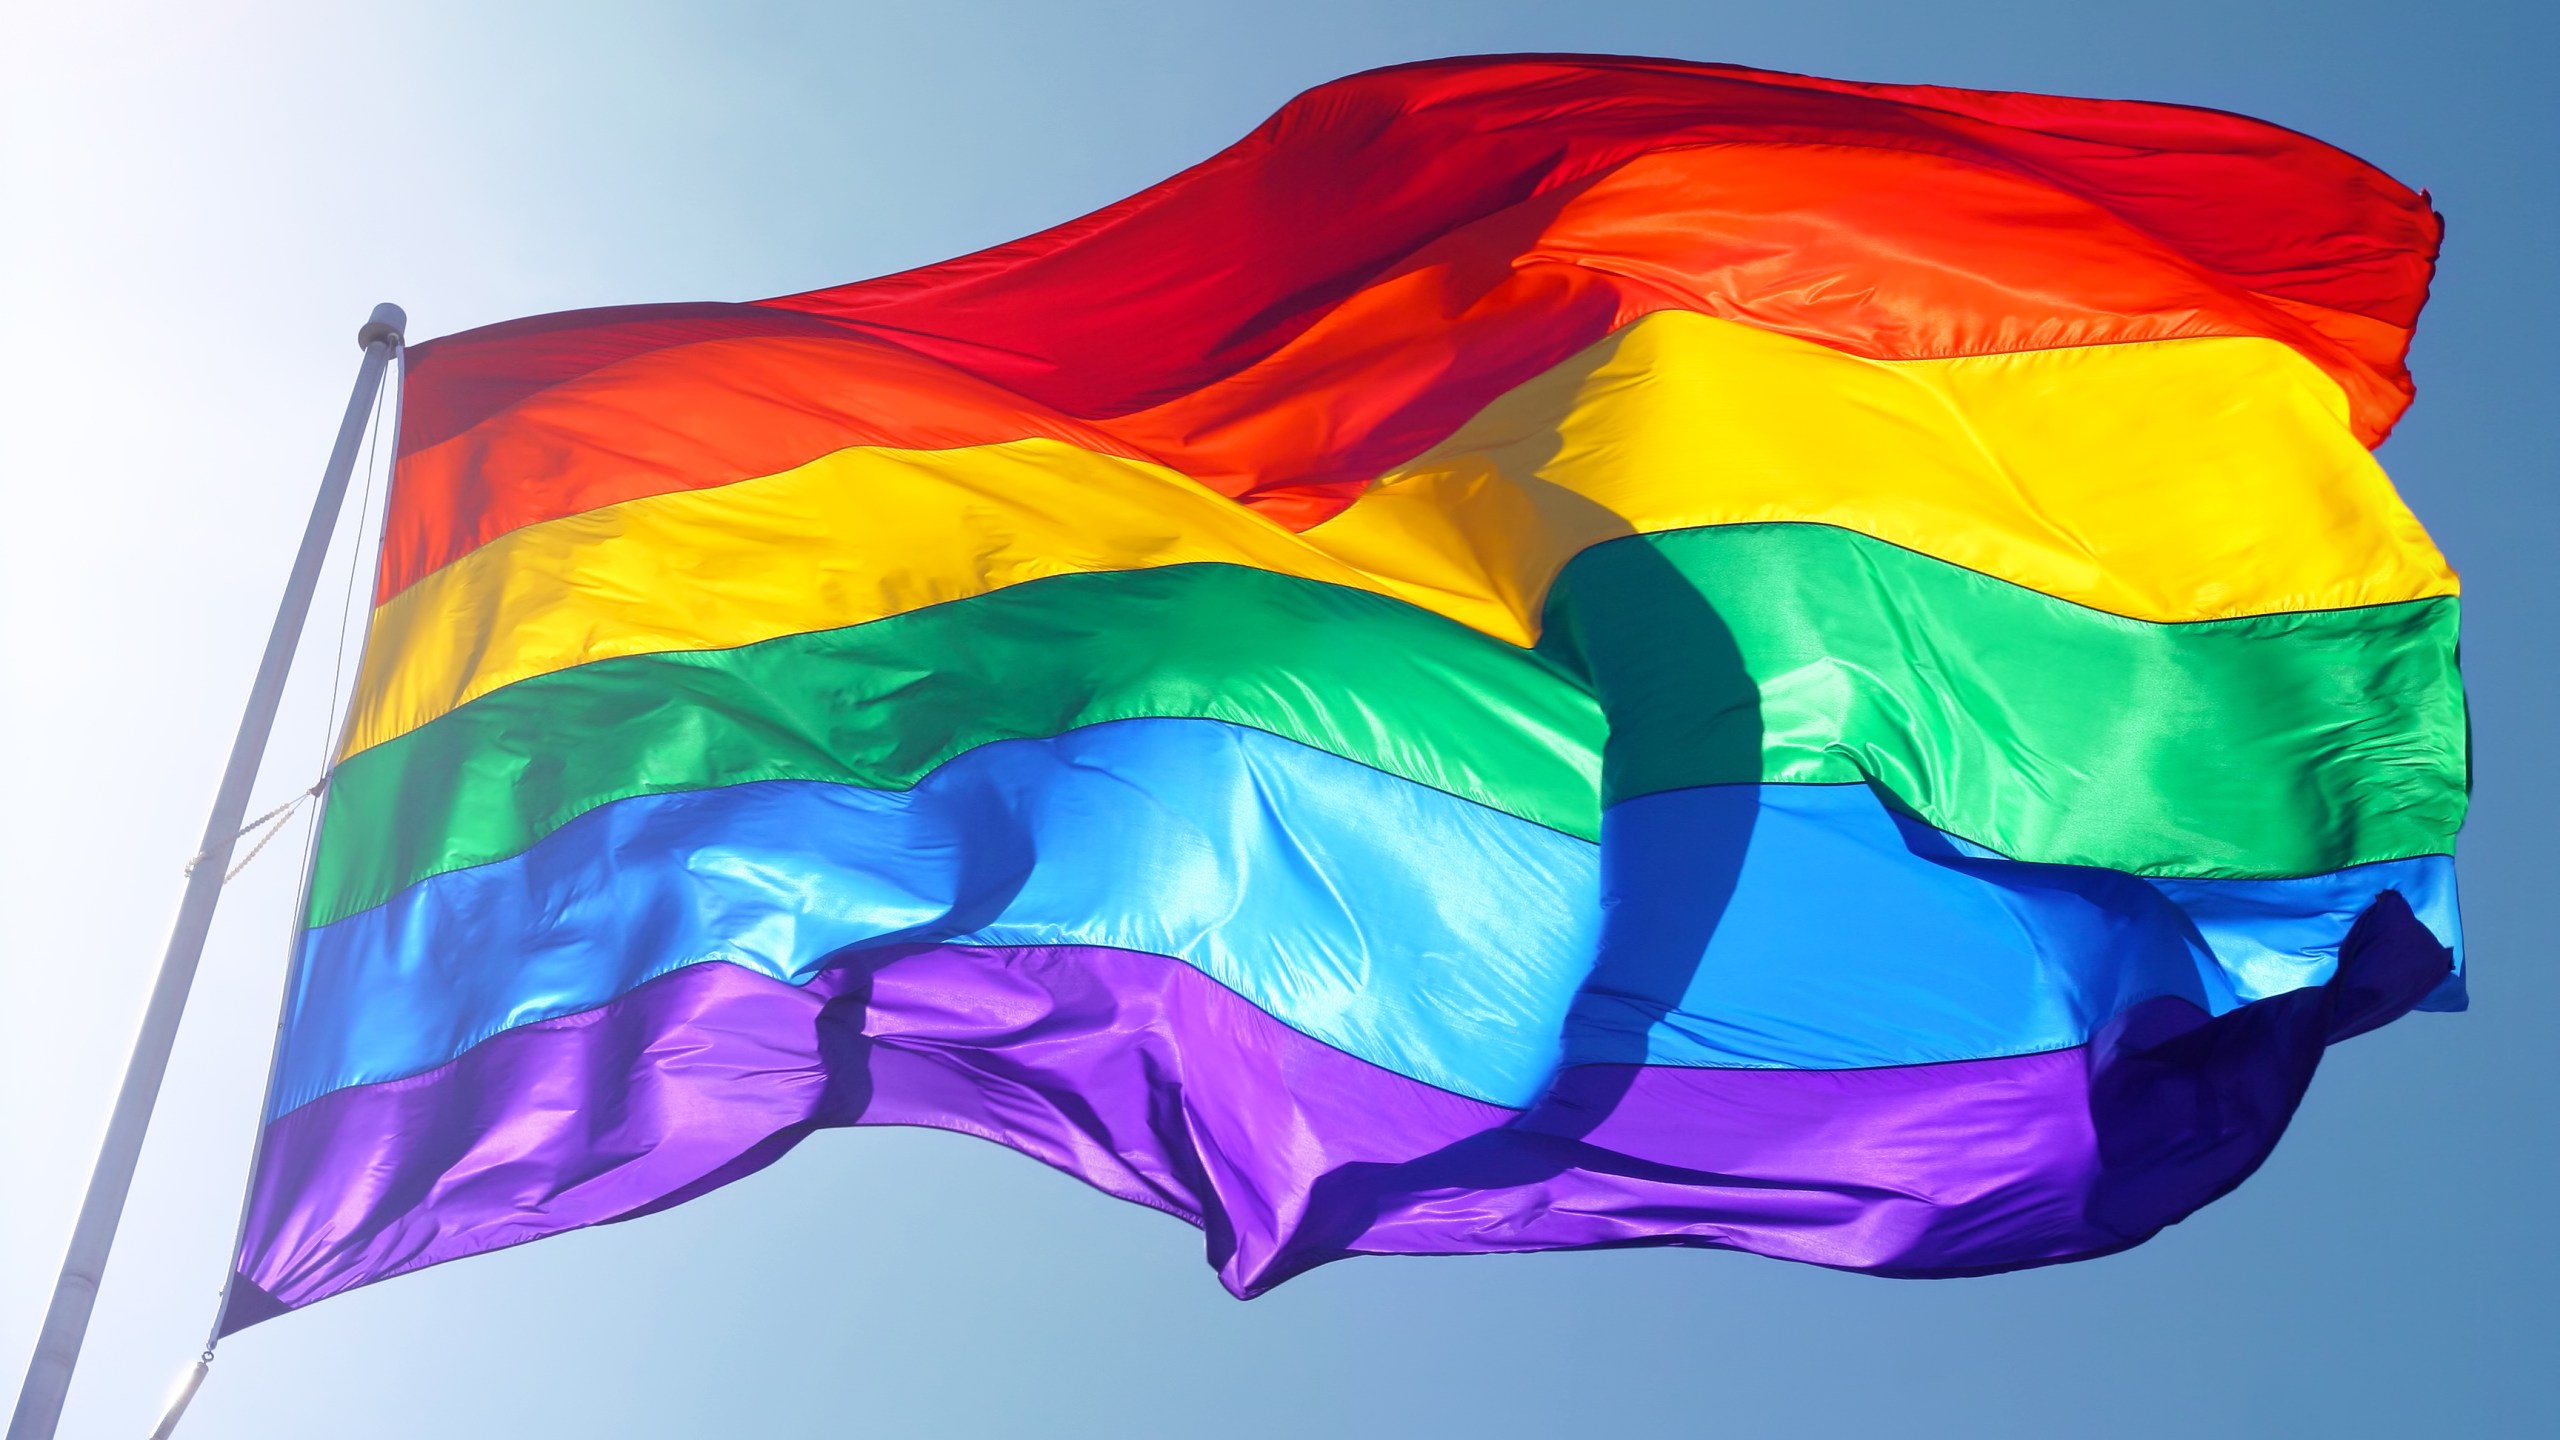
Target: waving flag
{"x": 1545, "y": 652}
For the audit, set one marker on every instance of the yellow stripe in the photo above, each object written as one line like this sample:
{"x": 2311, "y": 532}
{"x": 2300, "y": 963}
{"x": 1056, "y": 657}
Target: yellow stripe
{"x": 2171, "y": 480}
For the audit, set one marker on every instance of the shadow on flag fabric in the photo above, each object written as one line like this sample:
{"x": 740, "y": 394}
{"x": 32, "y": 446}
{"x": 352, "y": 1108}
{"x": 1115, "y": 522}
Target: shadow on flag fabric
{"x": 1546, "y": 652}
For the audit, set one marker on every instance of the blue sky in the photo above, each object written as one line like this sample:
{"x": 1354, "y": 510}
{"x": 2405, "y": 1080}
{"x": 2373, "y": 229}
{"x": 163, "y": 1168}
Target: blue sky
{"x": 203, "y": 201}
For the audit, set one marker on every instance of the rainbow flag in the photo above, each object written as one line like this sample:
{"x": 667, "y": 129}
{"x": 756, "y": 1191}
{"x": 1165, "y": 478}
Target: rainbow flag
{"x": 1545, "y": 652}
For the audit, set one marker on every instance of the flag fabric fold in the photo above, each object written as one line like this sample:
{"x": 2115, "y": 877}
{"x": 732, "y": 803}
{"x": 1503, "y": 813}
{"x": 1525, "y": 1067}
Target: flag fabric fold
{"x": 1546, "y": 652}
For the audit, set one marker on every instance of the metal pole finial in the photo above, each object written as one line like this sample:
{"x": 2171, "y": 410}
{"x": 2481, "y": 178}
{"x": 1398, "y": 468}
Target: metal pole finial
{"x": 387, "y": 322}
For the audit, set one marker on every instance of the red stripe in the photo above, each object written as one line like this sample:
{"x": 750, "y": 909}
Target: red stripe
{"x": 1349, "y": 178}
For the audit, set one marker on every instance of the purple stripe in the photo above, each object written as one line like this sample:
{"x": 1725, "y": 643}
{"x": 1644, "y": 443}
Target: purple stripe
{"x": 1146, "y": 1079}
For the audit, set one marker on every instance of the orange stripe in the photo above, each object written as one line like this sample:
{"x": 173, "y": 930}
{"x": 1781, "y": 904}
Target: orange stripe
{"x": 2174, "y": 480}
{"x": 1883, "y": 254}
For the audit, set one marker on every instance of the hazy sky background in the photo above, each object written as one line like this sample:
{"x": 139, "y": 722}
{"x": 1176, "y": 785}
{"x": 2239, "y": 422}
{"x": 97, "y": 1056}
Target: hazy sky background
{"x": 198, "y": 204}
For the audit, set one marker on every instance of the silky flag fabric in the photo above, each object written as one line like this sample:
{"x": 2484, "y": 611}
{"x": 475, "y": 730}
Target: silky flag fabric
{"x": 1546, "y": 652}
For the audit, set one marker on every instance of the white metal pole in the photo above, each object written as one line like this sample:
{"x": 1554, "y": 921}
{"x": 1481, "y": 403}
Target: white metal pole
{"x": 75, "y": 1292}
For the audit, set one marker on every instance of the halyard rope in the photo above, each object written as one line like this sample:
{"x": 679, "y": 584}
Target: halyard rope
{"x": 276, "y": 819}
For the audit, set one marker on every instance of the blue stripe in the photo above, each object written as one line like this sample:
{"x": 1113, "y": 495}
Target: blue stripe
{"x": 1855, "y": 936}
{"x": 1424, "y": 933}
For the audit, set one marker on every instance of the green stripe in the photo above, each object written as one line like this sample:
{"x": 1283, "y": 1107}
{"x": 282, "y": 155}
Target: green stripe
{"x": 2266, "y": 746}
{"x": 2272, "y": 745}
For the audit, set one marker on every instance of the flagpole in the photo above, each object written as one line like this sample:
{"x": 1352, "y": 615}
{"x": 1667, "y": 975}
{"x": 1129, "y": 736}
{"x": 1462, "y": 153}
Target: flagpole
{"x": 75, "y": 1292}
